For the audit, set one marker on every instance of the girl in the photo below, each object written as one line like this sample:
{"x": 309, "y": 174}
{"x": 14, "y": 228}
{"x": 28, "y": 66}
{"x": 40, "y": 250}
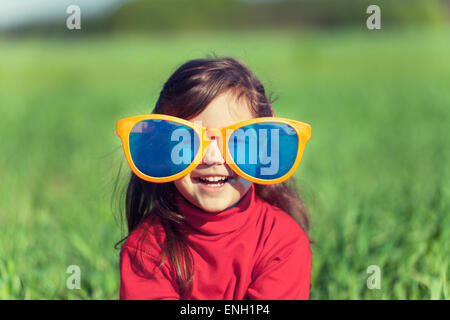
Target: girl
{"x": 204, "y": 223}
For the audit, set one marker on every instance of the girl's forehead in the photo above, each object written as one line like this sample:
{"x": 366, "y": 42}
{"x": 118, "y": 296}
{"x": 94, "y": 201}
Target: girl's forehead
{"x": 224, "y": 111}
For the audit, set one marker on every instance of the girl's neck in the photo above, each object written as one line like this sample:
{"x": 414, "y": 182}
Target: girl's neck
{"x": 224, "y": 221}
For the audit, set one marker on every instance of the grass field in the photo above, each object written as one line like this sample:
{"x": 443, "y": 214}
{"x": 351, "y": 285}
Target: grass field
{"x": 375, "y": 176}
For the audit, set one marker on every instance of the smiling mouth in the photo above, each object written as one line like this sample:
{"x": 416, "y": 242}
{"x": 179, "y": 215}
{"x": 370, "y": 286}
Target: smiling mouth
{"x": 212, "y": 181}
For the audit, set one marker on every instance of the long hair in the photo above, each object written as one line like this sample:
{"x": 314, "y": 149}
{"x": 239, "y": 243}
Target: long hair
{"x": 187, "y": 92}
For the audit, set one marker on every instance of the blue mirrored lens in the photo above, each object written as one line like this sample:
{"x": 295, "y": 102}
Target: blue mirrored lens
{"x": 161, "y": 148}
{"x": 264, "y": 150}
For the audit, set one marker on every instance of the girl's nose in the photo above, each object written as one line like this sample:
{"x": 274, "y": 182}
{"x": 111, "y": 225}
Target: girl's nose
{"x": 213, "y": 154}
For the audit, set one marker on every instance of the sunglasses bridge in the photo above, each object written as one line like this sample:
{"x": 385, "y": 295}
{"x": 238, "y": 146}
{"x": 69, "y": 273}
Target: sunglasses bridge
{"x": 210, "y": 134}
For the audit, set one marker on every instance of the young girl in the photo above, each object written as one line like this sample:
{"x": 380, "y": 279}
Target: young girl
{"x": 204, "y": 223}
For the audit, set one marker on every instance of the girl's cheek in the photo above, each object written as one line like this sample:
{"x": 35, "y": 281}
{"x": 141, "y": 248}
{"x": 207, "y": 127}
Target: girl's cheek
{"x": 184, "y": 184}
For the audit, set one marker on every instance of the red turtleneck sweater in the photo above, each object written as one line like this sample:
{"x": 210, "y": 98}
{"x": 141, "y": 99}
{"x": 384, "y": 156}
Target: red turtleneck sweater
{"x": 250, "y": 251}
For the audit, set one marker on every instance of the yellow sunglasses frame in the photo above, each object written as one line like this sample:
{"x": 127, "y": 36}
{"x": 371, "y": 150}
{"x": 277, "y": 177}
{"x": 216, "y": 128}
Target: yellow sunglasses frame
{"x": 124, "y": 127}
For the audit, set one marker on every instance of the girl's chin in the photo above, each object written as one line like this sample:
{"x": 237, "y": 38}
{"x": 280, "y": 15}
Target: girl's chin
{"x": 215, "y": 205}
{"x": 214, "y": 208}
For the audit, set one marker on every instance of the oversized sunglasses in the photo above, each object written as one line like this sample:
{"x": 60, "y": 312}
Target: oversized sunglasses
{"x": 162, "y": 148}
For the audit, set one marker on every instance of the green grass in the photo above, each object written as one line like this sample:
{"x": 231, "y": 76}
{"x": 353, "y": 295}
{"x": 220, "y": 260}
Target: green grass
{"x": 375, "y": 176}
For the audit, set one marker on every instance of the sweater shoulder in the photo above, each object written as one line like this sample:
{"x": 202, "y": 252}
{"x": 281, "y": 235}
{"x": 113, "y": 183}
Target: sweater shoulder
{"x": 279, "y": 226}
{"x": 280, "y": 237}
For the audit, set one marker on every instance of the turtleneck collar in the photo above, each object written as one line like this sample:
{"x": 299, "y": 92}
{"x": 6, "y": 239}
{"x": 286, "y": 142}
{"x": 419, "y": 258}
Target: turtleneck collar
{"x": 213, "y": 223}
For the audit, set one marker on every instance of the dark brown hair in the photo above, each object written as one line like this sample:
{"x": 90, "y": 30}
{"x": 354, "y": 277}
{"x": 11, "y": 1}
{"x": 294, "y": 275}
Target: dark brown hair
{"x": 187, "y": 92}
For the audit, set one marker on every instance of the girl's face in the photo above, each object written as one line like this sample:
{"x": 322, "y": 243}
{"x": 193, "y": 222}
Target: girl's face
{"x": 212, "y": 185}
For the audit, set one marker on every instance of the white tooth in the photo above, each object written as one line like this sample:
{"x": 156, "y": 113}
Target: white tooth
{"x": 213, "y": 178}
{"x": 216, "y": 184}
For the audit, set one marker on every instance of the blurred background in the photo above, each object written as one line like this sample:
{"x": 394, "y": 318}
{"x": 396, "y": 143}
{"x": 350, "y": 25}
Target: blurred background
{"x": 375, "y": 175}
